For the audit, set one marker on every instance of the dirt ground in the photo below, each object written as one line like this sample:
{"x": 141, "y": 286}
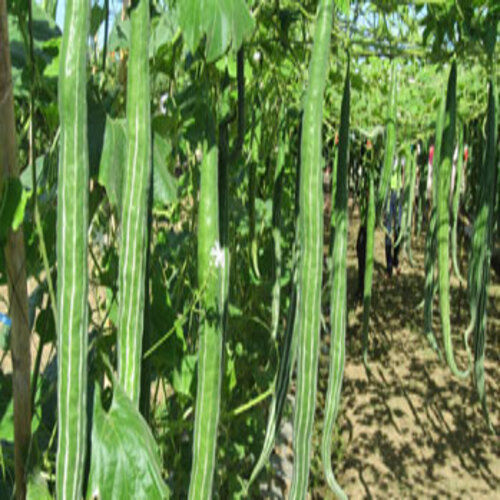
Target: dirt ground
{"x": 412, "y": 430}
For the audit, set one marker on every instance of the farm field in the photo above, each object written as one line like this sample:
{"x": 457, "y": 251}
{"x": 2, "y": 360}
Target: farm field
{"x": 249, "y": 249}
{"x": 410, "y": 430}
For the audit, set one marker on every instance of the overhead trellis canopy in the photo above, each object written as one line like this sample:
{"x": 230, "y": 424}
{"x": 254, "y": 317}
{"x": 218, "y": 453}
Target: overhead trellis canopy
{"x": 423, "y": 37}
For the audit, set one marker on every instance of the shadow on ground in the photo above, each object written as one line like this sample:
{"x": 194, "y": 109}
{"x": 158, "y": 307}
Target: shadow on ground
{"x": 411, "y": 429}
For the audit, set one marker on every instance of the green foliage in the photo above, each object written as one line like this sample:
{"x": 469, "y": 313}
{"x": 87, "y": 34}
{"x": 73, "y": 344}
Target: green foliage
{"x": 113, "y": 160}
{"x": 125, "y": 461}
{"x": 194, "y": 72}
{"x": 13, "y": 207}
{"x": 7, "y": 410}
{"x": 224, "y": 22}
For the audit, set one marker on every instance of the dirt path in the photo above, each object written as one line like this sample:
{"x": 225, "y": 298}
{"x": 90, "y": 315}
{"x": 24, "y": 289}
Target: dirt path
{"x": 412, "y": 430}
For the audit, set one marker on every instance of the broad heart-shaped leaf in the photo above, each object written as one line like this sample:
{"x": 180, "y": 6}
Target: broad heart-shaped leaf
{"x": 125, "y": 461}
{"x": 113, "y": 159}
{"x": 222, "y": 21}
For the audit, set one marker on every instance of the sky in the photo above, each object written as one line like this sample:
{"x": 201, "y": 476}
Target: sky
{"x": 115, "y": 7}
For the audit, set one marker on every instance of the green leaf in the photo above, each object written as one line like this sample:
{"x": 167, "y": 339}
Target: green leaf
{"x": 125, "y": 461}
{"x": 37, "y": 488}
{"x": 182, "y": 379}
{"x": 343, "y": 5}
{"x": 97, "y": 15}
{"x": 224, "y": 22}
{"x": 120, "y": 35}
{"x": 7, "y": 409}
{"x": 112, "y": 160}
{"x": 164, "y": 30}
{"x": 12, "y": 206}
{"x": 164, "y": 184}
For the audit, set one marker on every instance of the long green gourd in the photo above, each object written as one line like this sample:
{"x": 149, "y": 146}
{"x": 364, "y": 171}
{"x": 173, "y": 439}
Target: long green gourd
{"x": 308, "y": 314}
{"x": 413, "y": 181}
{"x": 443, "y": 218}
{"x": 482, "y": 243}
{"x": 367, "y": 290}
{"x": 338, "y": 299}
{"x": 72, "y": 276}
{"x": 276, "y": 231}
{"x": 285, "y": 364}
{"x": 456, "y": 203}
{"x": 390, "y": 145}
{"x": 136, "y": 184}
{"x": 403, "y": 230}
{"x": 430, "y": 238}
{"x": 210, "y": 263}
{"x": 281, "y": 383}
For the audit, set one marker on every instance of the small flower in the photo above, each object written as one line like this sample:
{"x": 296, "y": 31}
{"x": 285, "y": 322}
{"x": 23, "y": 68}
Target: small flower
{"x": 96, "y": 494}
{"x": 217, "y": 254}
{"x": 163, "y": 102}
{"x": 257, "y": 56}
{"x": 198, "y": 154}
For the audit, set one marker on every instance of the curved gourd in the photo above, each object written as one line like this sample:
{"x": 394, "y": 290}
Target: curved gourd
{"x": 338, "y": 299}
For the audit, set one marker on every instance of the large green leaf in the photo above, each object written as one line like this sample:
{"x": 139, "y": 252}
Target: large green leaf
{"x": 125, "y": 461}
{"x": 163, "y": 31}
{"x": 222, "y": 21}
{"x": 113, "y": 159}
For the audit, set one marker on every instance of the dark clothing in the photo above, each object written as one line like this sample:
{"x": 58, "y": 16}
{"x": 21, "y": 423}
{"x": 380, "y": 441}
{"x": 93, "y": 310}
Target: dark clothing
{"x": 361, "y": 253}
{"x": 392, "y": 217}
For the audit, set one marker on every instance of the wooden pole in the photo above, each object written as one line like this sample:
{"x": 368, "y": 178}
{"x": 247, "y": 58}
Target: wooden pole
{"x": 16, "y": 270}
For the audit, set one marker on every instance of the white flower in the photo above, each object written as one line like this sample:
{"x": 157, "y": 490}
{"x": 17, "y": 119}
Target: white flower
{"x": 96, "y": 494}
{"x": 198, "y": 154}
{"x": 256, "y": 56}
{"x": 163, "y": 102}
{"x": 217, "y": 254}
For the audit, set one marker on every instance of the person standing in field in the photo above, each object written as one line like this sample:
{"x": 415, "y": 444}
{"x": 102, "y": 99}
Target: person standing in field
{"x": 393, "y": 218}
